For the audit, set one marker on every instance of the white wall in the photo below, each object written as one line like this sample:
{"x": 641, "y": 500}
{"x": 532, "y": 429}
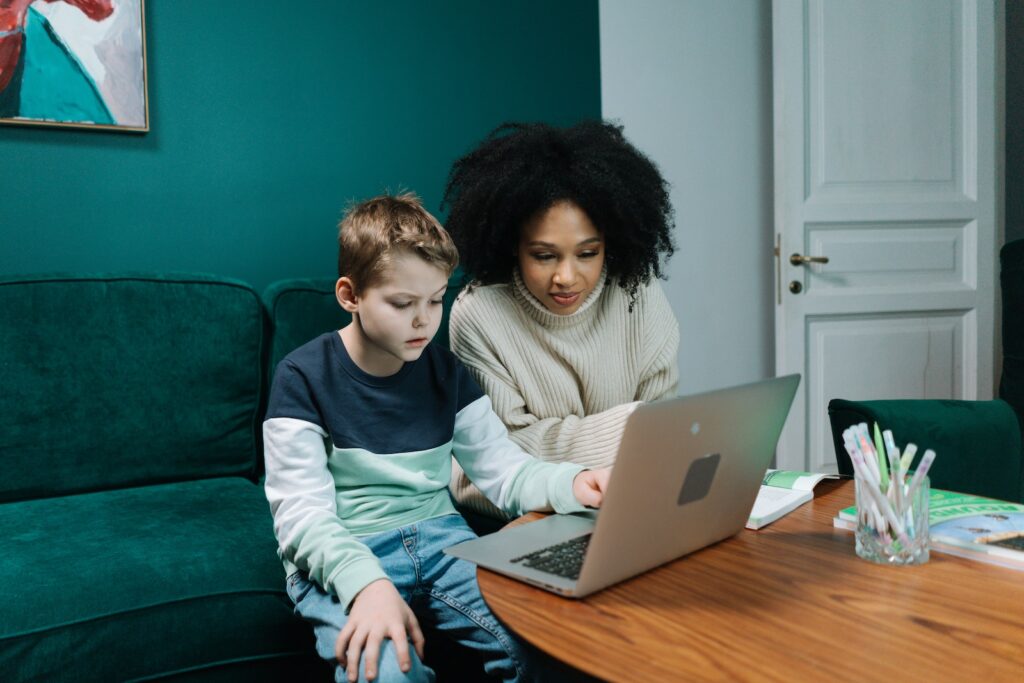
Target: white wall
{"x": 691, "y": 82}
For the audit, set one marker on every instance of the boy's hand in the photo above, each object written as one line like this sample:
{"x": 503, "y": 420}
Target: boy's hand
{"x": 378, "y": 612}
{"x": 589, "y": 486}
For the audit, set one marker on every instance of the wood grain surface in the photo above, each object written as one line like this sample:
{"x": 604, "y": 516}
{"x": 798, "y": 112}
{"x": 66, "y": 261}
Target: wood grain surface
{"x": 789, "y": 602}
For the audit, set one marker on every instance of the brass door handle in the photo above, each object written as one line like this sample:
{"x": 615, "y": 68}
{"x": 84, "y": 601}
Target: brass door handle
{"x": 801, "y": 260}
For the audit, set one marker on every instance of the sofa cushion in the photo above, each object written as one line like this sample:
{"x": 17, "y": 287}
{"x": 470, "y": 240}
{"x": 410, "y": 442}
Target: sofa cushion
{"x": 303, "y": 309}
{"x": 112, "y": 381}
{"x": 145, "y": 581}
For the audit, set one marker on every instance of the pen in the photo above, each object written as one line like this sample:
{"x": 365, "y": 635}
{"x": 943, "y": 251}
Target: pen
{"x": 922, "y": 470}
{"x": 908, "y": 457}
{"x": 896, "y": 472}
{"x": 883, "y": 468}
{"x": 867, "y": 450}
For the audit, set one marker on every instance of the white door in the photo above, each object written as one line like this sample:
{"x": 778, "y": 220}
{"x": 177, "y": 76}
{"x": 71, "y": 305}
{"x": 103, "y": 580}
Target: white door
{"x": 885, "y": 130}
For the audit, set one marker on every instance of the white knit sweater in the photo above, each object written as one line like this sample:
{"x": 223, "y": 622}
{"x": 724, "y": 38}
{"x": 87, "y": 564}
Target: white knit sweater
{"x": 564, "y": 385}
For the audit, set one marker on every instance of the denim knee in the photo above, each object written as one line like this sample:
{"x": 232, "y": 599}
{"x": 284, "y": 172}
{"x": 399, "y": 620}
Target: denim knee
{"x": 388, "y": 670}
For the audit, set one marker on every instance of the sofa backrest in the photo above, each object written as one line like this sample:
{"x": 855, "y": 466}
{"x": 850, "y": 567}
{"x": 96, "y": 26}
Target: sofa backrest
{"x": 116, "y": 381}
{"x": 303, "y": 309}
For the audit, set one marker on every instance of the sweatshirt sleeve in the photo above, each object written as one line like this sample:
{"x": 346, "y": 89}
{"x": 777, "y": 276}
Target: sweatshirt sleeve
{"x": 511, "y": 479}
{"x": 301, "y": 492}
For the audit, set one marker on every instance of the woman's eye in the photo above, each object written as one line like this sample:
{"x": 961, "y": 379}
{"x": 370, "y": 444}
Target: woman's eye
{"x": 589, "y": 254}
{"x": 543, "y": 257}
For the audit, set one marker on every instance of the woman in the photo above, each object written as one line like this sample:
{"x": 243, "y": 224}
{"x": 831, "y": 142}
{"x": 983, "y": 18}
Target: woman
{"x": 564, "y": 326}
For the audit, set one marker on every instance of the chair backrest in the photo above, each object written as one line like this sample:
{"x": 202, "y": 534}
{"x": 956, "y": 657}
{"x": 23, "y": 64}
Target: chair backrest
{"x": 1011, "y": 277}
{"x": 111, "y": 381}
{"x": 303, "y": 309}
{"x": 978, "y": 443}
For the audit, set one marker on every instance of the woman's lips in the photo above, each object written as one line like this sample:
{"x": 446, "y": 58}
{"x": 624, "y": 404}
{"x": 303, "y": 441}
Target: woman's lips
{"x": 566, "y": 299}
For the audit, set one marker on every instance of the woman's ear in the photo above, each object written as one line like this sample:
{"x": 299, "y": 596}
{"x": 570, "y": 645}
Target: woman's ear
{"x": 345, "y": 293}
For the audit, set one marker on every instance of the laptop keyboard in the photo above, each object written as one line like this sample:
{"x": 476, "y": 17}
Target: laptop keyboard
{"x": 563, "y": 559}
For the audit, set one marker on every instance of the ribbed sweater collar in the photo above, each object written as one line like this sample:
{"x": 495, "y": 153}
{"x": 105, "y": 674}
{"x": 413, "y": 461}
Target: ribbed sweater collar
{"x": 536, "y": 310}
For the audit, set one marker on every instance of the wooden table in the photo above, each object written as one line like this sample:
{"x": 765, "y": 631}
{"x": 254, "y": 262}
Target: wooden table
{"x": 789, "y": 602}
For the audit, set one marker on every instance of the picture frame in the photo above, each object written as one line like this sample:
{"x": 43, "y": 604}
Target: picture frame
{"x": 74, "y": 64}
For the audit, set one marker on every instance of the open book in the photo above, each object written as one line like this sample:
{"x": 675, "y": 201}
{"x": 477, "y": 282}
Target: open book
{"x": 977, "y": 528}
{"x": 782, "y": 492}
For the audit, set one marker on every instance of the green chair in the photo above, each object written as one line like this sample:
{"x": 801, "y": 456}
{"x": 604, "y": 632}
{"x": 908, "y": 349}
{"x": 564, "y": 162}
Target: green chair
{"x": 978, "y": 442}
{"x": 1011, "y": 278}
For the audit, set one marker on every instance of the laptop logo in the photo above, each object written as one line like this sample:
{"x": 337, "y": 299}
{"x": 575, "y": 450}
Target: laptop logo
{"x": 695, "y": 428}
{"x": 698, "y": 478}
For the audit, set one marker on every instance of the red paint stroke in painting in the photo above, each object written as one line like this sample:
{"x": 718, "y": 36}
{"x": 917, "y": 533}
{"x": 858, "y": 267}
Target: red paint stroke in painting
{"x": 12, "y": 28}
{"x": 97, "y": 10}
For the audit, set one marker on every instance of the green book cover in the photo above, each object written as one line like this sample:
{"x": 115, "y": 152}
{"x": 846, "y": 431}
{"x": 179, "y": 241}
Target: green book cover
{"x": 970, "y": 526}
{"x": 781, "y": 492}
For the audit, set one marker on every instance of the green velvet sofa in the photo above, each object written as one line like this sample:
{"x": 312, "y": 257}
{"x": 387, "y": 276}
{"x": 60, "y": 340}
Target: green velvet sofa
{"x": 137, "y": 541}
{"x": 138, "y": 544}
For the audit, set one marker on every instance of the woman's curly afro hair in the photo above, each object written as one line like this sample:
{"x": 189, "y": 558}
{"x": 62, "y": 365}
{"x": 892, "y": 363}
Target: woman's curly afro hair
{"x": 522, "y": 169}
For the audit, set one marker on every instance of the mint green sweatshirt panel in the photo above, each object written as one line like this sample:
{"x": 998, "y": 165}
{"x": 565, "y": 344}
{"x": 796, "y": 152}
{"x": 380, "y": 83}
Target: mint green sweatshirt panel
{"x": 377, "y": 492}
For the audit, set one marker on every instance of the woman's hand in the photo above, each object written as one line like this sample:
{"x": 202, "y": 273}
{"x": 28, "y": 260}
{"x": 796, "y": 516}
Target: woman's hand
{"x": 378, "y": 612}
{"x": 589, "y": 486}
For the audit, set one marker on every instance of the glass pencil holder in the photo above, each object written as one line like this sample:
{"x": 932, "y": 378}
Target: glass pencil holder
{"x": 892, "y": 526}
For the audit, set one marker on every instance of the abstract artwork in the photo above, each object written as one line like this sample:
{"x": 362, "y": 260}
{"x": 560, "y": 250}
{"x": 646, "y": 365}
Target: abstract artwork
{"x": 78, "y": 63}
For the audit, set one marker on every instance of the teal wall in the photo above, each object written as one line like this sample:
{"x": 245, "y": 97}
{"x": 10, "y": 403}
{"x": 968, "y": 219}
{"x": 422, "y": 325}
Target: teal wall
{"x": 266, "y": 122}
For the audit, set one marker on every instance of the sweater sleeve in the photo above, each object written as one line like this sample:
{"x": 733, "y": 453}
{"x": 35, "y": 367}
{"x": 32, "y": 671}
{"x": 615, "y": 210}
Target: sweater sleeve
{"x": 660, "y": 376}
{"x": 301, "y": 492}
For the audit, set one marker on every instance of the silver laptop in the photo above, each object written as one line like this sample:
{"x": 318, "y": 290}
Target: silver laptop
{"x": 686, "y": 476}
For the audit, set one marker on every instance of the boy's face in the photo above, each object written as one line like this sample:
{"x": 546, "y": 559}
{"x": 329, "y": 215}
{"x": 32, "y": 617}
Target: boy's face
{"x": 394, "y": 319}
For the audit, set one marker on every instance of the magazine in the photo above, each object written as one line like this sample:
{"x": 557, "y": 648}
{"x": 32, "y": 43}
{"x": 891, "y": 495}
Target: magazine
{"x": 781, "y": 492}
{"x": 977, "y": 528}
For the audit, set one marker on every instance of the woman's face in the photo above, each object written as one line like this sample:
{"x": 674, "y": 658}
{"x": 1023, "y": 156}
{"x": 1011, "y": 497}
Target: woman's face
{"x": 561, "y": 255}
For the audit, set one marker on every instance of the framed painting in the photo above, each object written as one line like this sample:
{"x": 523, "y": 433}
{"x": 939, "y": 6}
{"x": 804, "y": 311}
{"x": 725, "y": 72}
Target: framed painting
{"x": 77, "y": 63}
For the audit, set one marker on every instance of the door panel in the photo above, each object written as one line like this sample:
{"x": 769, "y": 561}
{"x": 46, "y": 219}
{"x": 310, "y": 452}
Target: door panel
{"x": 885, "y": 164}
{"x": 891, "y": 257}
{"x": 906, "y": 356}
{"x": 887, "y": 80}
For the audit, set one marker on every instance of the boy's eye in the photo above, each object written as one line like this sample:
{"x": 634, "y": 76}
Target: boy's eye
{"x": 400, "y": 304}
{"x": 438, "y": 302}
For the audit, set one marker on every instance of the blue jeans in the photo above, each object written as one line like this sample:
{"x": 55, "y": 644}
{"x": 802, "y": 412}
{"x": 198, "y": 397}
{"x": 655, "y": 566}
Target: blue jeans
{"x": 441, "y": 590}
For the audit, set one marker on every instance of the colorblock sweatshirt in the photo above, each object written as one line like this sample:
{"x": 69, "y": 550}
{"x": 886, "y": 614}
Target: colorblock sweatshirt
{"x": 349, "y": 454}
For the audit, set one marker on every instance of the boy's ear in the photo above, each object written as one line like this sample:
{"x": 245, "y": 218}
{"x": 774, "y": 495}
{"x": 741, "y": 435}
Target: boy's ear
{"x": 345, "y": 293}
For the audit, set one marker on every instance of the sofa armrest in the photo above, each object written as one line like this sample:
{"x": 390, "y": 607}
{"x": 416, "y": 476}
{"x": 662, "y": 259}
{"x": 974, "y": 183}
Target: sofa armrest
{"x": 978, "y": 443}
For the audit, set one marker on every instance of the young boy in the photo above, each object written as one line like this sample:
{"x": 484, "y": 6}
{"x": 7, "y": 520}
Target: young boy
{"x": 360, "y": 431}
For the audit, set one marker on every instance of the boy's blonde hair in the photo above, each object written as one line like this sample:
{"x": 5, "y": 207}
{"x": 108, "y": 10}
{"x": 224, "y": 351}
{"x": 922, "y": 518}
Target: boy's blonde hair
{"x": 374, "y": 231}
